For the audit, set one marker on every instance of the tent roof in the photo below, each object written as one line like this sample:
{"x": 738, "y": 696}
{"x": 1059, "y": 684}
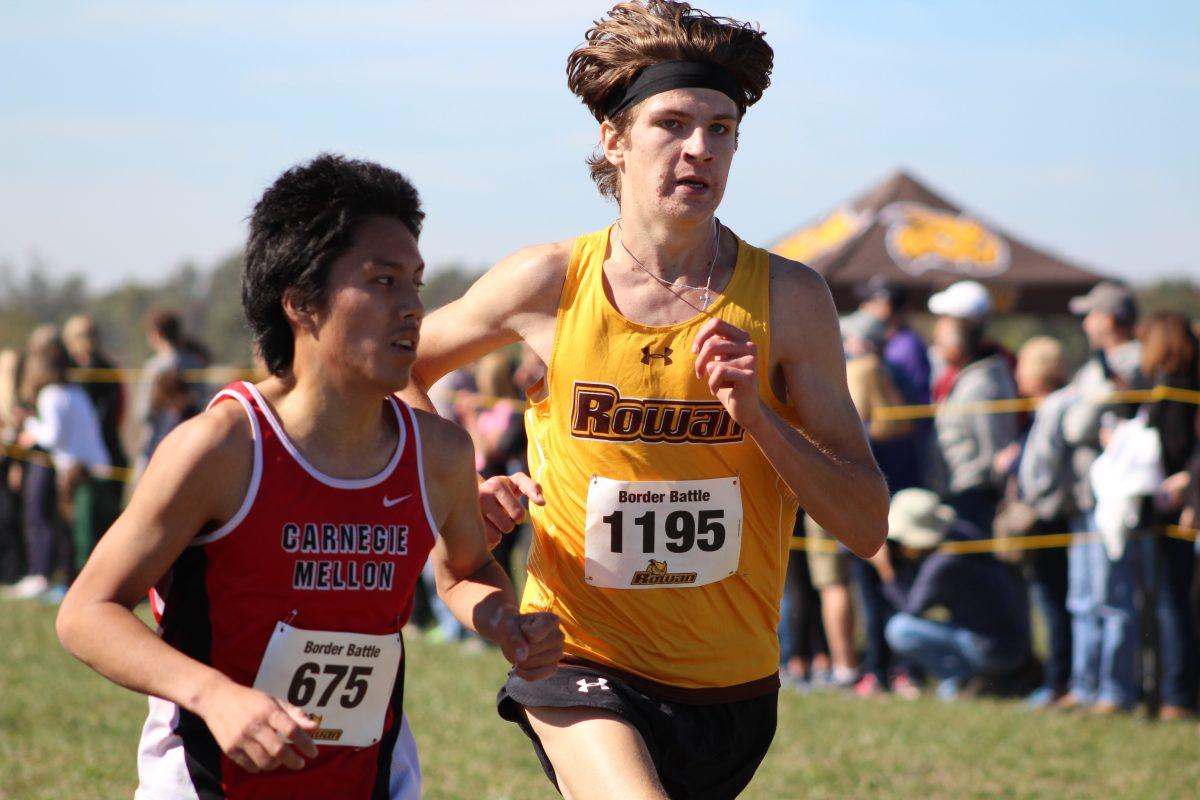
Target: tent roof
{"x": 905, "y": 231}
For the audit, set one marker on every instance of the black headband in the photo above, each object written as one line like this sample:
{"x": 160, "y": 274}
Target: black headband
{"x": 668, "y": 75}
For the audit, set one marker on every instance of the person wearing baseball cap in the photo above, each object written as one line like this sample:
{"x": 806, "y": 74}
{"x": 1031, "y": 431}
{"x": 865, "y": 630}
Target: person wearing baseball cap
{"x": 1106, "y": 297}
{"x": 987, "y": 632}
{"x": 965, "y": 300}
{"x": 974, "y": 370}
{"x": 902, "y": 456}
{"x": 904, "y": 352}
{"x": 831, "y": 568}
{"x": 1100, "y": 591}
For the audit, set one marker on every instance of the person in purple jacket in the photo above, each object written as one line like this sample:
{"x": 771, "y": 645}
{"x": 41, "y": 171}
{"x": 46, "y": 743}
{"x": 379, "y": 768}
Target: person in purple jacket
{"x": 905, "y": 352}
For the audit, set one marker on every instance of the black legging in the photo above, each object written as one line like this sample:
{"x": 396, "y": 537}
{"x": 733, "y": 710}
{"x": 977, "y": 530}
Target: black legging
{"x": 1196, "y": 597}
{"x": 12, "y": 541}
{"x": 46, "y": 544}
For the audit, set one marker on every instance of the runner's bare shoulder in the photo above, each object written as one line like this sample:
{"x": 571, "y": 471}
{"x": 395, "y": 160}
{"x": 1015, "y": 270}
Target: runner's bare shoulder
{"x": 447, "y": 455}
{"x": 801, "y": 304}
{"x": 795, "y": 280}
{"x": 530, "y": 279}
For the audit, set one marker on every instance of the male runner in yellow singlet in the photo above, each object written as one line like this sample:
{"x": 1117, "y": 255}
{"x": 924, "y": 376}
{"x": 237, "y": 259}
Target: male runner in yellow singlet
{"x": 695, "y": 394}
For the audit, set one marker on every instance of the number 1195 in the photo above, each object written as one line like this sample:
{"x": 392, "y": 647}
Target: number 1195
{"x": 683, "y": 530}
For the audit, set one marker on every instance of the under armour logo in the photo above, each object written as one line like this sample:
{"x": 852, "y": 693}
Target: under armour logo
{"x": 665, "y": 355}
{"x": 584, "y": 684}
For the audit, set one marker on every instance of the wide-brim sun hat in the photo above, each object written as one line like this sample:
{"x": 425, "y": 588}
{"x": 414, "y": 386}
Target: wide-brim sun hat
{"x": 917, "y": 518}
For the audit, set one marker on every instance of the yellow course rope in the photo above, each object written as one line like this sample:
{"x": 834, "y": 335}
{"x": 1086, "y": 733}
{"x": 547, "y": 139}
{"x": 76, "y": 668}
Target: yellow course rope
{"x": 109, "y": 472}
{"x": 909, "y": 412}
{"x": 1156, "y": 395}
{"x": 1015, "y": 544}
{"x": 208, "y": 375}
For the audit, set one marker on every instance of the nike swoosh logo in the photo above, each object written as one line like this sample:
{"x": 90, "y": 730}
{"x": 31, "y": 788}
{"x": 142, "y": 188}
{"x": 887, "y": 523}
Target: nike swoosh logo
{"x": 388, "y": 502}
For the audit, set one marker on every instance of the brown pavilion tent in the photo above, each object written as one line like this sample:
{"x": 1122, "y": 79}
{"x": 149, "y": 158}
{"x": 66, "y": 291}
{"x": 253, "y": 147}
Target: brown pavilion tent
{"x": 906, "y": 232}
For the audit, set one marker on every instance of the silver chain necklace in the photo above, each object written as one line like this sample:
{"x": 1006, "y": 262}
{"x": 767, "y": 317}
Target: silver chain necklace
{"x": 678, "y": 282}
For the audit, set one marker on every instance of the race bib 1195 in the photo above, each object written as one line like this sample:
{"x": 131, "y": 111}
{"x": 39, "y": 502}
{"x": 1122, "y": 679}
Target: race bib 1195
{"x": 662, "y": 534}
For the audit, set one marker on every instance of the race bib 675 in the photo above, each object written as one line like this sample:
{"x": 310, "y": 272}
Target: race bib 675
{"x": 342, "y": 680}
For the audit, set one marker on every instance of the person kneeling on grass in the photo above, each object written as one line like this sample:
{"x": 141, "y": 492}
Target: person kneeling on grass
{"x": 987, "y": 632}
{"x": 284, "y": 528}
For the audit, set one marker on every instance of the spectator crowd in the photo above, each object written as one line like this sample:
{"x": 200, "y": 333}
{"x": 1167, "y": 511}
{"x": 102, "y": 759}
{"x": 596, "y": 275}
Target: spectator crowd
{"x": 1016, "y": 453}
{"x": 65, "y": 466}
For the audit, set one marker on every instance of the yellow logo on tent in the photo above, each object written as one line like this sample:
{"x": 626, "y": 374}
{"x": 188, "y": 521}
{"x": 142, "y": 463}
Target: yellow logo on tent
{"x": 828, "y": 234}
{"x": 920, "y": 238}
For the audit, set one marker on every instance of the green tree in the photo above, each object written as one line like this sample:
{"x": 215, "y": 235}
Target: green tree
{"x": 446, "y": 283}
{"x": 1177, "y": 294}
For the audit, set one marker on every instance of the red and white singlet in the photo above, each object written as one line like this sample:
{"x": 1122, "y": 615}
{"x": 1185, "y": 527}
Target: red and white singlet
{"x": 302, "y": 594}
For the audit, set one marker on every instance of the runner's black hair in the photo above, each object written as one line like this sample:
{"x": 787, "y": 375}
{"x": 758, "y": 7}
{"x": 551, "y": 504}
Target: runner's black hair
{"x": 302, "y": 224}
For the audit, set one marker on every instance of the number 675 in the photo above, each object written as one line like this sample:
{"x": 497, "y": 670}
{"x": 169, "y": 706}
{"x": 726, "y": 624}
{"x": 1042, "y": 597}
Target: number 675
{"x": 304, "y": 684}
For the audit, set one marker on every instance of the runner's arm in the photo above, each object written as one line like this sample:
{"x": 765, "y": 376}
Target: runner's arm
{"x": 515, "y": 300}
{"x": 472, "y": 584}
{"x": 511, "y": 302}
{"x": 197, "y": 478}
{"x": 827, "y": 462}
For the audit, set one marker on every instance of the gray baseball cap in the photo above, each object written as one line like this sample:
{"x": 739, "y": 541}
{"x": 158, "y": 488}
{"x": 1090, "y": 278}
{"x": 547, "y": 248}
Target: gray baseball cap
{"x": 1109, "y": 298}
{"x": 862, "y": 325}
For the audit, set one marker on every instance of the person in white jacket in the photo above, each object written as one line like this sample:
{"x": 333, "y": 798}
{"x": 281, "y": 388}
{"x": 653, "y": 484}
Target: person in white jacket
{"x": 66, "y": 428}
{"x": 1100, "y": 589}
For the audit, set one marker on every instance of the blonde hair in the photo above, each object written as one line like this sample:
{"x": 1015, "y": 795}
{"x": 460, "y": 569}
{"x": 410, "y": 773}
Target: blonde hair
{"x": 494, "y": 376}
{"x": 636, "y": 35}
{"x": 1041, "y": 358}
{"x": 10, "y": 364}
{"x": 80, "y": 331}
{"x": 46, "y": 362}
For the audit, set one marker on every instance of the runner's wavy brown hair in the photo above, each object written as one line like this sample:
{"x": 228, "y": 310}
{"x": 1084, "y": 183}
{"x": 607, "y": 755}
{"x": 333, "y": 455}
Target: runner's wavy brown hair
{"x": 635, "y": 35}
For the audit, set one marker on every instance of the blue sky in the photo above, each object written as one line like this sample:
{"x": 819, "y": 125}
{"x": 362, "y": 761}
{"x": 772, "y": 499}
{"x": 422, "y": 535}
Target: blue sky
{"x": 135, "y": 136}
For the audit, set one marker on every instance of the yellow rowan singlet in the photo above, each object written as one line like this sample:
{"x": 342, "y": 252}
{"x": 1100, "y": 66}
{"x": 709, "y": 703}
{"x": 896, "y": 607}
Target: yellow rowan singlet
{"x": 664, "y": 539}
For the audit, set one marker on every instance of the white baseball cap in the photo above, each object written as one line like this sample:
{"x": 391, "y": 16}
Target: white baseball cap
{"x": 965, "y": 300}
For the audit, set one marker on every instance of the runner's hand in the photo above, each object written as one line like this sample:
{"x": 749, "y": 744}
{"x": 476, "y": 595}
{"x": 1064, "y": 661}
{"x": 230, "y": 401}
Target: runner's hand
{"x": 533, "y": 643}
{"x": 727, "y": 358}
{"x": 257, "y": 731}
{"x": 500, "y": 502}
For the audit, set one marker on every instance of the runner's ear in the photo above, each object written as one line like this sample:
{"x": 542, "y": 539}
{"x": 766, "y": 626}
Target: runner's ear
{"x": 612, "y": 143}
{"x": 297, "y": 309}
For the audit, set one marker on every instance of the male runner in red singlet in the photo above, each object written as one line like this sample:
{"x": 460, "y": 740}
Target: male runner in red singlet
{"x": 284, "y": 529}
{"x": 695, "y": 394}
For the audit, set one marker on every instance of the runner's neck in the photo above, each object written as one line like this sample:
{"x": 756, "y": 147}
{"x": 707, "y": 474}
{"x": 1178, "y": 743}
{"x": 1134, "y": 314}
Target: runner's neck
{"x": 669, "y": 250}
{"x": 342, "y": 433}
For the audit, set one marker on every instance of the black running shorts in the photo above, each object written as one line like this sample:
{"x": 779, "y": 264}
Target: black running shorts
{"x": 708, "y": 751}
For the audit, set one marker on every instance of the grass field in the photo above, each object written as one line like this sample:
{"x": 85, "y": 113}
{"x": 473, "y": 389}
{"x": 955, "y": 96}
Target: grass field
{"x": 66, "y": 733}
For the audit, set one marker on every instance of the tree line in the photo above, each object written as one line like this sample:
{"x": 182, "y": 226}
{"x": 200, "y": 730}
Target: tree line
{"x": 209, "y": 302}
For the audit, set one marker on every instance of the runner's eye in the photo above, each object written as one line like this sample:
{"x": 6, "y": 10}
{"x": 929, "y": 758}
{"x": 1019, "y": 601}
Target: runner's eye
{"x": 386, "y": 280}
{"x": 719, "y": 127}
